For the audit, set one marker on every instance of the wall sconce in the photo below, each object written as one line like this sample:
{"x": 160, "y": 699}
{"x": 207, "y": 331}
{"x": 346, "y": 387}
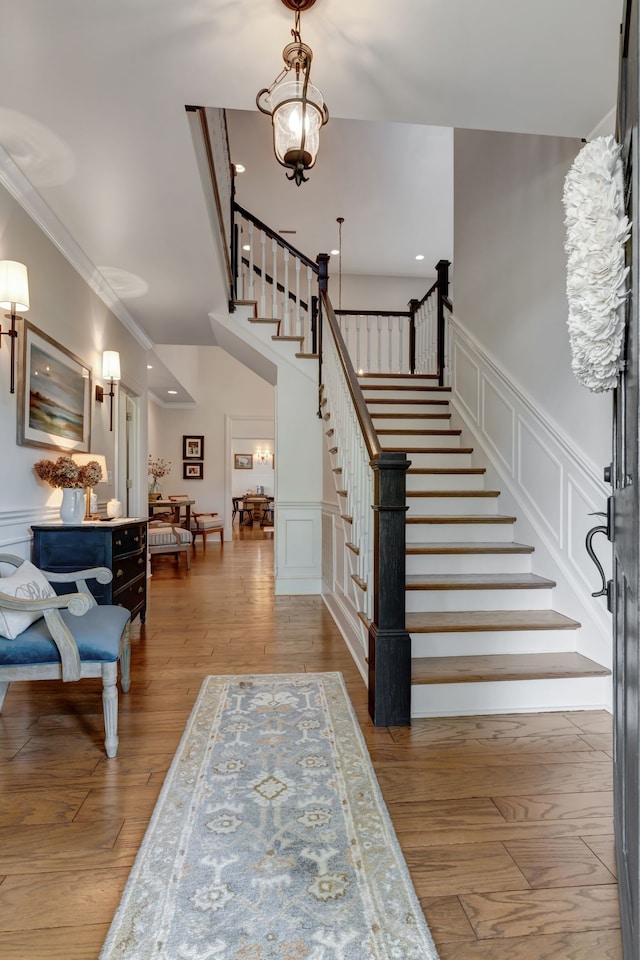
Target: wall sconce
{"x": 297, "y": 108}
{"x": 263, "y": 455}
{"x": 110, "y": 373}
{"x": 82, "y": 459}
{"x": 14, "y": 296}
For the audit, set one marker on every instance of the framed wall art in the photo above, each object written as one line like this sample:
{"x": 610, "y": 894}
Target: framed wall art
{"x": 192, "y": 471}
{"x": 192, "y": 448}
{"x": 54, "y": 394}
{"x": 243, "y": 461}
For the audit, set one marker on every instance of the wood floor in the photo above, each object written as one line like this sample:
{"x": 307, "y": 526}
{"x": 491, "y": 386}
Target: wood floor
{"x": 505, "y": 821}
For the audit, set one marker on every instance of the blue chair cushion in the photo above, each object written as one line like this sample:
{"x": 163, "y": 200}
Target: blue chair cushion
{"x": 97, "y": 634}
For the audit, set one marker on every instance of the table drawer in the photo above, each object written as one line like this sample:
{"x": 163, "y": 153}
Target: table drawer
{"x": 129, "y": 539}
{"x": 126, "y": 569}
{"x": 132, "y": 594}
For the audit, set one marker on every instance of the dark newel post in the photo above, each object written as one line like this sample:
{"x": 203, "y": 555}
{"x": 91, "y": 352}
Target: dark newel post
{"x": 413, "y": 307}
{"x": 442, "y": 269}
{"x": 314, "y": 324}
{"x": 389, "y": 642}
{"x": 323, "y": 287}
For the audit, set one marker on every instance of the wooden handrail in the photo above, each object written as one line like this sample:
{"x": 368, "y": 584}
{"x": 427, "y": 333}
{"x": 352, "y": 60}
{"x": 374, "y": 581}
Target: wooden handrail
{"x": 372, "y": 313}
{"x": 276, "y": 236}
{"x": 362, "y": 413}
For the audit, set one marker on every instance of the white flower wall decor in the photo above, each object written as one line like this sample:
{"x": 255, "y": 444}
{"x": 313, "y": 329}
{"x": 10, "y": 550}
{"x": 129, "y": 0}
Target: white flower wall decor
{"x": 597, "y": 230}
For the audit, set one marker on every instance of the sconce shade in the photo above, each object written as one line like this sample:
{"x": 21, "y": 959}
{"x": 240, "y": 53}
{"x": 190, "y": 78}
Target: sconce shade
{"x": 82, "y": 459}
{"x": 14, "y": 285}
{"x": 111, "y": 365}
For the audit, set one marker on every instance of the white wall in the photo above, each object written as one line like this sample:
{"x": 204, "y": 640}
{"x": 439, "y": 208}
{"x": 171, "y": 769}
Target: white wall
{"x": 224, "y": 387}
{"x": 378, "y": 293}
{"x": 262, "y": 474}
{"x": 509, "y": 273}
{"x": 65, "y": 308}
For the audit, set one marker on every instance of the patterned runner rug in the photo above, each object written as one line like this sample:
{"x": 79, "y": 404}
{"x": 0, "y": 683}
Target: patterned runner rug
{"x": 270, "y": 839}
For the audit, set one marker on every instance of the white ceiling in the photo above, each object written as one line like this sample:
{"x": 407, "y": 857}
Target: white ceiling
{"x": 94, "y": 91}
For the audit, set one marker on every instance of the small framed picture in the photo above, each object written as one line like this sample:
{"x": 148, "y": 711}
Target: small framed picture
{"x": 243, "y": 461}
{"x": 192, "y": 448}
{"x": 193, "y": 471}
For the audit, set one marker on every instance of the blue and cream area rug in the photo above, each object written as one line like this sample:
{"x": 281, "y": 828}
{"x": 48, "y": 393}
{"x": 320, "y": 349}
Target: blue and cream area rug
{"x": 270, "y": 839}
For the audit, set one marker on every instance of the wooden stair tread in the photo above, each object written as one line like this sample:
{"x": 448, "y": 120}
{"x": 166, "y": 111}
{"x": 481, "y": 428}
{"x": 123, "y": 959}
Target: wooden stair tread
{"x": 453, "y": 450}
{"x": 411, "y": 416}
{"x": 478, "y": 581}
{"x": 468, "y": 518}
{"x": 455, "y": 471}
{"x": 440, "y": 403}
{"x": 453, "y": 493}
{"x": 398, "y": 376}
{"x": 446, "y": 547}
{"x": 483, "y": 669}
{"x": 308, "y": 356}
{"x": 291, "y": 339}
{"x": 400, "y": 431}
{"x": 402, "y": 386}
{"x": 261, "y": 320}
{"x": 471, "y": 621}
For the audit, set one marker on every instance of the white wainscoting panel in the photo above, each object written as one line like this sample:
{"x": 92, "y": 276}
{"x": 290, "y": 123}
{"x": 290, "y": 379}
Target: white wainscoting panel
{"x": 541, "y": 477}
{"x": 548, "y": 483}
{"x": 339, "y": 601}
{"x": 466, "y": 385}
{"x": 298, "y": 548}
{"x": 498, "y": 420}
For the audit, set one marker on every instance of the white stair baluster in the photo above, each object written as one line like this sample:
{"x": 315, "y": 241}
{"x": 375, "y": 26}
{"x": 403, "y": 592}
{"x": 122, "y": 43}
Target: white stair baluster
{"x": 275, "y": 314}
{"x": 369, "y": 322}
{"x": 299, "y": 320}
{"x": 263, "y": 274}
{"x": 358, "y": 343}
{"x": 390, "y": 326}
{"x": 379, "y": 367}
{"x": 286, "y": 302}
{"x": 309, "y": 308}
{"x": 252, "y": 294}
{"x": 401, "y": 361}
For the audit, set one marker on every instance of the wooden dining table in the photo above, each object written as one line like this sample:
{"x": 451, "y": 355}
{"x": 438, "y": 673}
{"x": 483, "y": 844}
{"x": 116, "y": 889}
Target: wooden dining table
{"x": 174, "y": 507}
{"x": 253, "y": 507}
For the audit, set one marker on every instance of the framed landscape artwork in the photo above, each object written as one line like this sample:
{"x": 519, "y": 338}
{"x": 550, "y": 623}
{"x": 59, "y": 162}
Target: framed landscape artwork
{"x": 192, "y": 448}
{"x": 192, "y": 471}
{"x": 243, "y": 461}
{"x": 54, "y": 394}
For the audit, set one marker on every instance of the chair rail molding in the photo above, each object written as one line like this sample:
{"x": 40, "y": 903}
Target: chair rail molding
{"x": 552, "y": 483}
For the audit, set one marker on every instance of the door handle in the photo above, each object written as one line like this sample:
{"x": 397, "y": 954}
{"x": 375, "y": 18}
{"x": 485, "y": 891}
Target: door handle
{"x": 600, "y": 528}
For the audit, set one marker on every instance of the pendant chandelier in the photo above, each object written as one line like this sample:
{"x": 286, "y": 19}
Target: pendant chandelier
{"x": 297, "y": 108}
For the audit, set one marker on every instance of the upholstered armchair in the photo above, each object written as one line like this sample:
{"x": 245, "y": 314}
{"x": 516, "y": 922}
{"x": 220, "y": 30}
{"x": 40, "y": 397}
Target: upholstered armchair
{"x": 68, "y": 637}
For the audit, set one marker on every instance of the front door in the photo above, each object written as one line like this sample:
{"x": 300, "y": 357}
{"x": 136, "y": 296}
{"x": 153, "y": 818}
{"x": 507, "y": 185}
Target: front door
{"x": 625, "y": 526}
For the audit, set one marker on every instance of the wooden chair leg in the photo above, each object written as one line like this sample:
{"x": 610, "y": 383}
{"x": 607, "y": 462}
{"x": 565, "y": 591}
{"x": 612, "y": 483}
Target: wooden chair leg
{"x": 125, "y": 660}
{"x": 3, "y": 692}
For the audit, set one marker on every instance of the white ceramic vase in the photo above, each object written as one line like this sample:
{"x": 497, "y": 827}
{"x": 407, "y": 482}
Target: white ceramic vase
{"x": 73, "y": 505}
{"x": 114, "y": 509}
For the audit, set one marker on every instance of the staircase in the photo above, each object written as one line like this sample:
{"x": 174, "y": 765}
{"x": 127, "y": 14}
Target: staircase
{"x": 484, "y": 634}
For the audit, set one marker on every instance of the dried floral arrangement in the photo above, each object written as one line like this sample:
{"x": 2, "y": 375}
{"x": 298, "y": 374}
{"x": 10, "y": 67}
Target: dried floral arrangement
{"x": 65, "y": 472}
{"x": 158, "y": 467}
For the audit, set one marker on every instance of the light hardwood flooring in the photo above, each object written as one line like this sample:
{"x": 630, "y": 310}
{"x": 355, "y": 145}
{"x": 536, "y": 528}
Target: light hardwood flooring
{"x": 505, "y": 821}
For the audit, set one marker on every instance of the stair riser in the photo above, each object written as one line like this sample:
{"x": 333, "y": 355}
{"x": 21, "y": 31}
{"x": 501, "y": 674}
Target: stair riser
{"x": 418, "y": 440}
{"x": 390, "y": 381}
{"x": 493, "y": 643}
{"x": 469, "y": 563}
{"x": 452, "y": 506}
{"x": 445, "y": 481}
{"x": 439, "y": 423}
{"x": 371, "y": 393}
{"x": 444, "y": 601}
{"x": 408, "y": 408}
{"x": 459, "y": 532}
{"x": 511, "y": 696}
{"x": 439, "y": 459}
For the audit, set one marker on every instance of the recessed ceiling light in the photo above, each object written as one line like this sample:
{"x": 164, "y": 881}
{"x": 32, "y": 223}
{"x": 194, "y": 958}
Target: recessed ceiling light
{"x": 240, "y": 167}
{"x": 246, "y": 246}
{"x": 335, "y": 253}
{"x": 174, "y": 392}
{"x": 149, "y": 366}
{"x": 420, "y": 256}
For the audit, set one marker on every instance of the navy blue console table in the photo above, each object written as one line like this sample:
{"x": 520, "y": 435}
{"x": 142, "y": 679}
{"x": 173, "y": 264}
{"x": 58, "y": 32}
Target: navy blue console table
{"x": 120, "y": 545}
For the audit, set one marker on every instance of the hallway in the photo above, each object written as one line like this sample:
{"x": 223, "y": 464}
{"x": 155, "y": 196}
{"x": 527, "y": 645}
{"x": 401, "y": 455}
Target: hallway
{"x": 505, "y": 821}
